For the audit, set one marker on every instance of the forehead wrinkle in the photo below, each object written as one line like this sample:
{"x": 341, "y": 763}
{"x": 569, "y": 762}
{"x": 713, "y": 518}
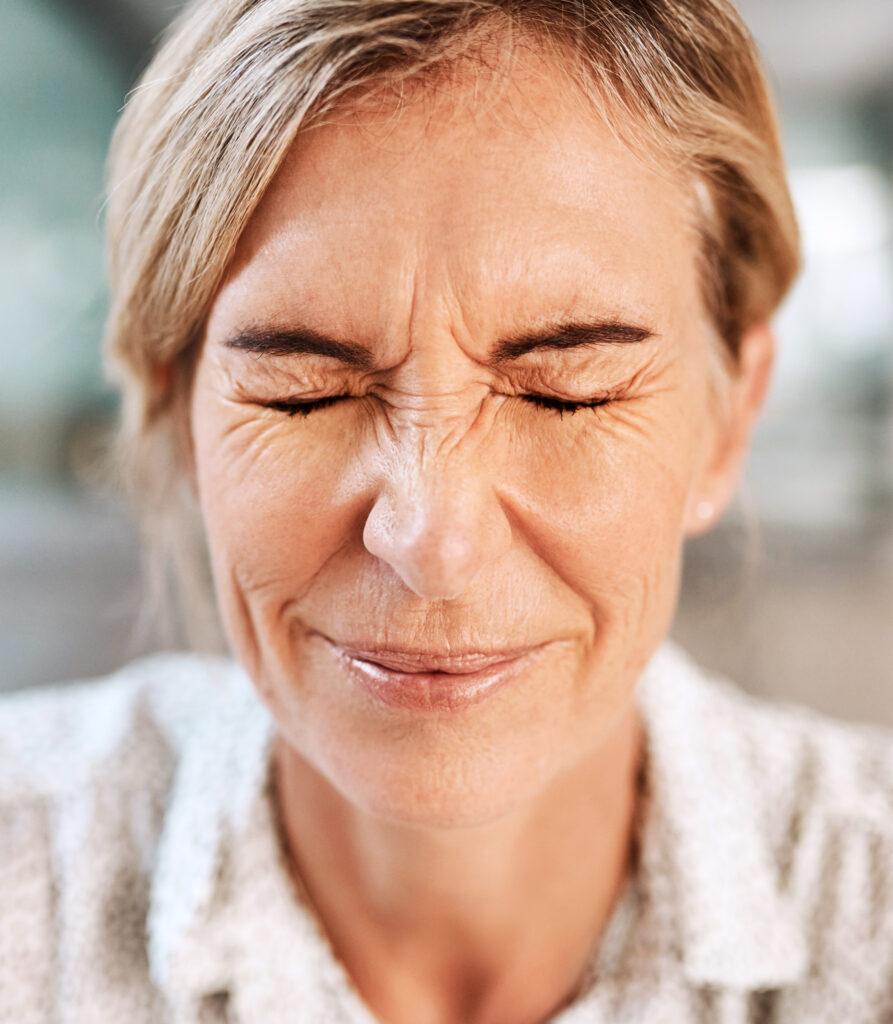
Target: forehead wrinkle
{"x": 461, "y": 330}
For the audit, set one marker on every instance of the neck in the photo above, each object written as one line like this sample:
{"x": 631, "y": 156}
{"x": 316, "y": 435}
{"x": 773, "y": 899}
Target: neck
{"x": 491, "y": 923}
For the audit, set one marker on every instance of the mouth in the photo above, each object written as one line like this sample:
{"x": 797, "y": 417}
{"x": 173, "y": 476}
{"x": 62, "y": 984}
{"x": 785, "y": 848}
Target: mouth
{"x": 432, "y": 681}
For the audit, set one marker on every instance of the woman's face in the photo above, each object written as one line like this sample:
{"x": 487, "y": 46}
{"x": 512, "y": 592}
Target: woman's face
{"x": 454, "y": 413}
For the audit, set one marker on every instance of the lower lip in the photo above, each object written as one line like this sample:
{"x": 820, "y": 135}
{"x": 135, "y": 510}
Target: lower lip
{"x": 432, "y": 691}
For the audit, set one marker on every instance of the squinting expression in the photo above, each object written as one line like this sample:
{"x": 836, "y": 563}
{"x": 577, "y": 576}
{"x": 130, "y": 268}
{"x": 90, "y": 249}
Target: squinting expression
{"x": 454, "y": 404}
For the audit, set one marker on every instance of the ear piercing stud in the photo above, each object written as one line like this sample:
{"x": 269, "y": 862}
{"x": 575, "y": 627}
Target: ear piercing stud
{"x": 704, "y": 510}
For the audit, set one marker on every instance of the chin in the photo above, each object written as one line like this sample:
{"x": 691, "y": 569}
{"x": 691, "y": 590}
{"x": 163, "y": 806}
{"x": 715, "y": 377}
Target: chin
{"x": 435, "y": 785}
{"x": 446, "y": 770}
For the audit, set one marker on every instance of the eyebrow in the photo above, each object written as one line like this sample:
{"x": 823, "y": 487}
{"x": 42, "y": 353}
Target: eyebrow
{"x": 299, "y": 341}
{"x": 570, "y": 334}
{"x": 563, "y": 335}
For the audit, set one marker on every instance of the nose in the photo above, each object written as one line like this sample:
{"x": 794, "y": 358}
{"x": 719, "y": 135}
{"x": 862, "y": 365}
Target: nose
{"x": 437, "y": 529}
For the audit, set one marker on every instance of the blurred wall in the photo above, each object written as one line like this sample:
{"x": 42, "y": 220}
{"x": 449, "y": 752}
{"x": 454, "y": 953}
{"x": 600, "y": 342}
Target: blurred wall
{"x": 792, "y": 595}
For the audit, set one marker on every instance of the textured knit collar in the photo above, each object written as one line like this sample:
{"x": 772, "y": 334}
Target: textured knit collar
{"x": 706, "y": 852}
{"x": 705, "y": 865}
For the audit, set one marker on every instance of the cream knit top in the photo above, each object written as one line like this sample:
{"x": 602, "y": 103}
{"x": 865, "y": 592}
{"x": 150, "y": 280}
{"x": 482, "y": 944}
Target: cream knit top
{"x": 142, "y": 880}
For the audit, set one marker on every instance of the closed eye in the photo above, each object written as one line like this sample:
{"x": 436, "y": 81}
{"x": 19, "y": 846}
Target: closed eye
{"x": 561, "y": 406}
{"x": 301, "y": 407}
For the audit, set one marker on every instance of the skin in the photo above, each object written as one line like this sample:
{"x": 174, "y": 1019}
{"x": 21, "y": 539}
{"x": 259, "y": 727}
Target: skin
{"x": 464, "y": 863}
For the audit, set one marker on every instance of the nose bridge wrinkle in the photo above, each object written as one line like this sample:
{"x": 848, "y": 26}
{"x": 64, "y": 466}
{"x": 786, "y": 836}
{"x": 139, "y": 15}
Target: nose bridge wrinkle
{"x": 436, "y": 518}
{"x": 428, "y": 470}
{"x": 428, "y": 434}
{"x": 440, "y": 451}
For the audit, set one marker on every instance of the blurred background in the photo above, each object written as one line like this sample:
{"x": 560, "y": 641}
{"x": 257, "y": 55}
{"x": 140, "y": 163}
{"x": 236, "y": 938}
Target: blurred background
{"x": 792, "y": 595}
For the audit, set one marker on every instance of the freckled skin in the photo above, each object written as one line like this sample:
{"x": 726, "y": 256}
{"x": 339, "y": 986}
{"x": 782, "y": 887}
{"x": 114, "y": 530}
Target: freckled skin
{"x": 436, "y": 507}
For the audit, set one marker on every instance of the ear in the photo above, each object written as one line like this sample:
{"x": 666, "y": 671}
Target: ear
{"x": 739, "y": 402}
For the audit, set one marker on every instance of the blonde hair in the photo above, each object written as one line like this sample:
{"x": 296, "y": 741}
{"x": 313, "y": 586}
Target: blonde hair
{"x": 206, "y": 129}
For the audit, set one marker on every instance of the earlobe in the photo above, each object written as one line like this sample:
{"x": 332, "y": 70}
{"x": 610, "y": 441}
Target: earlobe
{"x": 701, "y": 516}
{"x": 746, "y": 393}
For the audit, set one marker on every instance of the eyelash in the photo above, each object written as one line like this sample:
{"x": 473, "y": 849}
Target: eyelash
{"x": 298, "y": 408}
{"x": 560, "y": 406}
{"x": 303, "y": 409}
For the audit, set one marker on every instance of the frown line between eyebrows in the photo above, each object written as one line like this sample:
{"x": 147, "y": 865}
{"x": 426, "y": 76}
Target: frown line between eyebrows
{"x": 293, "y": 341}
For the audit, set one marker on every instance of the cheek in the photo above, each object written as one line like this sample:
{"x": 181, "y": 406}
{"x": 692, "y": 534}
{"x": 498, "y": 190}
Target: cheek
{"x": 607, "y": 511}
{"x": 277, "y": 502}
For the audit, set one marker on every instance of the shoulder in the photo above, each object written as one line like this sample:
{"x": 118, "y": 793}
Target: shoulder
{"x": 805, "y": 766}
{"x": 86, "y": 770}
{"x": 55, "y": 739}
{"x": 798, "y": 762}
{"x": 825, "y": 797}
{"x": 814, "y": 797}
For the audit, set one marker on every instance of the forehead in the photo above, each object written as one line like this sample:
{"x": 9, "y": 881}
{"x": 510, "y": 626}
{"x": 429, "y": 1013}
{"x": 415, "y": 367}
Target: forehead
{"x": 499, "y": 192}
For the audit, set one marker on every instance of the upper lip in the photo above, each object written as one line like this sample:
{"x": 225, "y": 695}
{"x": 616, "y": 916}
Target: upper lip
{"x": 401, "y": 659}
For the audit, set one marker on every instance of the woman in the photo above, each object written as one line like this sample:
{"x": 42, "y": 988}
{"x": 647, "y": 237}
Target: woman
{"x": 447, "y": 322}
